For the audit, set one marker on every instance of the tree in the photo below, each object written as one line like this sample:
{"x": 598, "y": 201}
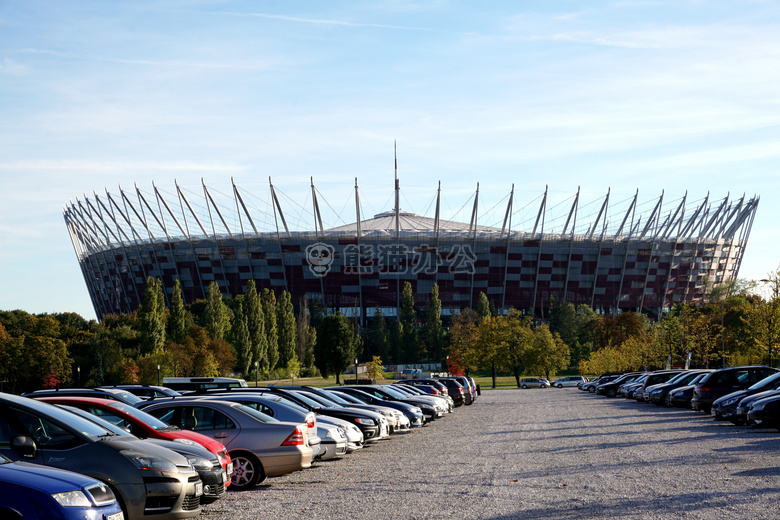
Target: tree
{"x": 407, "y": 319}
{"x": 215, "y": 316}
{"x": 563, "y": 320}
{"x": 335, "y": 349}
{"x": 432, "y": 331}
{"x": 483, "y": 306}
{"x": 255, "y": 322}
{"x": 151, "y": 317}
{"x": 271, "y": 334}
{"x": 463, "y": 352}
{"x": 548, "y": 353}
{"x": 288, "y": 334}
{"x": 379, "y": 334}
{"x": 307, "y": 338}
{"x": 241, "y": 342}
{"x": 179, "y": 320}
{"x": 375, "y": 369}
{"x": 518, "y": 341}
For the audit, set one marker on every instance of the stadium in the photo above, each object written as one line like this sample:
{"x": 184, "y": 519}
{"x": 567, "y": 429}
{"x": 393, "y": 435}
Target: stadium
{"x": 630, "y": 255}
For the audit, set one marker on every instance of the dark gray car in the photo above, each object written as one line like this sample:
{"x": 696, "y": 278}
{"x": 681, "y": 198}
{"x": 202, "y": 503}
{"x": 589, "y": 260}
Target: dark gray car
{"x": 148, "y": 480}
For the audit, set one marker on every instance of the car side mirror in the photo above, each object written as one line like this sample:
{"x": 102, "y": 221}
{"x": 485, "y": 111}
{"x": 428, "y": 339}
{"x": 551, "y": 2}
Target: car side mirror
{"x": 24, "y": 446}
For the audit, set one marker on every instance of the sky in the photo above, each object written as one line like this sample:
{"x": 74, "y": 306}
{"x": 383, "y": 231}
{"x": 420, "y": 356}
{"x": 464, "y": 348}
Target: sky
{"x": 678, "y": 97}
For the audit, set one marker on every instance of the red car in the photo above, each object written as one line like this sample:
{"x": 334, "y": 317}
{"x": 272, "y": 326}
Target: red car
{"x": 144, "y": 425}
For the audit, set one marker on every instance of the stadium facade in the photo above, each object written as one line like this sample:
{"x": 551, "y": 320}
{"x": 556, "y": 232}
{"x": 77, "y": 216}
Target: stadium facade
{"x": 633, "y": 260}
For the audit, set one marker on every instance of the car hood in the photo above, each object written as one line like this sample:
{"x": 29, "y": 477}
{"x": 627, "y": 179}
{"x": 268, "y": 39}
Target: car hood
{"x": 149, "y": 448}
{"x": 43, "y": 478}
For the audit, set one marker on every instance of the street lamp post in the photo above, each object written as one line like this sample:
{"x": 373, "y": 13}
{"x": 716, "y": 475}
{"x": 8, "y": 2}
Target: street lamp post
{"x": 158, "y": 374}
{"x": 255, "y": 374}
{"x": 356, "y": 374}
{"x": 78, "y": 371}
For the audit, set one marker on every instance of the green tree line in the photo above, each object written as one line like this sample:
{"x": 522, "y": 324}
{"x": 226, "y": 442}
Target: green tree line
{"x": 261, "y": 334}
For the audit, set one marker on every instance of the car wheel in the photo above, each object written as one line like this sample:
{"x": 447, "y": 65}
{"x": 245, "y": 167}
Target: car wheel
{"x": 611, "y": 392}
{"x": 592, "y": 389}
{"x": 559, "y": 385}
{"x": 525, "y": 387}
{"x": 247, "y": 472}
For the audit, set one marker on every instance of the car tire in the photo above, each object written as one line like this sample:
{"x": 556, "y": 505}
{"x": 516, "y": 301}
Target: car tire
{"x": 611, "y": 392}
{"x": 559, "y": 385}
{"x": 525, "y": 387}
{"x": 247, "y": 471}
{"x": 592, "y": 389}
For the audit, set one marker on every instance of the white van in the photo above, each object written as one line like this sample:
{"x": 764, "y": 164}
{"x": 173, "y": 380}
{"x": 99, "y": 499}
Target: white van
{"x": 202, "y": 383}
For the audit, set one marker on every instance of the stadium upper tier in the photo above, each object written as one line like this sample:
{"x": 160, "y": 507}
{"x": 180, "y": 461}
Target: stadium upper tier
{"x": 617, "y": 258}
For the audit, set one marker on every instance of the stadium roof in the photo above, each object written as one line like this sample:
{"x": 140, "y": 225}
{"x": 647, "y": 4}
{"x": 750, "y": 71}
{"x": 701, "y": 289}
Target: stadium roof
{"x": 407, "y": 221}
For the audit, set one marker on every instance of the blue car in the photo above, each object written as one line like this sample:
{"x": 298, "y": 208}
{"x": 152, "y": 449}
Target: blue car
{"x": 35, "y": 492}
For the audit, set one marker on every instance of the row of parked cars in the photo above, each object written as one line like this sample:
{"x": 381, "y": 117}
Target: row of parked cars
{"x": 132, "y": 452}
{"x": 742, "y": 394}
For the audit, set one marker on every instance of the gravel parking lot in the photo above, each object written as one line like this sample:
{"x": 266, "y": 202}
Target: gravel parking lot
{"x": 544, "y": 453}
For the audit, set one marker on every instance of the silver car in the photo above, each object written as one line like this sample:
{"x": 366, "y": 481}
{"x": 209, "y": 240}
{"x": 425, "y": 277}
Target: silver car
{"x": 569, "y": 381}
{"x": 260, "y": 446}
{"x": 534, "y": 382}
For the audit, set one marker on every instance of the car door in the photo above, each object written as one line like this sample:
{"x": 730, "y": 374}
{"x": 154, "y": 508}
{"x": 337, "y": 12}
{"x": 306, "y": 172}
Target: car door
{"x": 54, "y": 444}
{"x": 200, "y": 418}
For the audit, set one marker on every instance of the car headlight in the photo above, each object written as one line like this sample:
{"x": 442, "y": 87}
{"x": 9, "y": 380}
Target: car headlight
{"x": 757, "y": 407}
{"x": 656, "y": 392}
{"x": 149, "y": 462}
{"x": 416, "y": 410}
{"x": 729, "y": 402}
{"x": 72, "y": 499}
{"x": 189, "y": 442}
{"x": 200, "y": 463}
{"x": 360, "y": 420}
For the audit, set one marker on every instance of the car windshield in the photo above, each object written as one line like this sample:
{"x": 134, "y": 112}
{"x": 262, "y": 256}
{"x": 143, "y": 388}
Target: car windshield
{"x": 320, "y": 399}
{"x": 141, "y": 416}
{"x": 341, "y": 399}
{"x": 65, "y": 417}
{"x": 766, "y": 381}
{"x": 113, "y": 428}
{"x": 307, "y": 400}
{"x": 287, "y": 402}
{"x": 393, "y": 392}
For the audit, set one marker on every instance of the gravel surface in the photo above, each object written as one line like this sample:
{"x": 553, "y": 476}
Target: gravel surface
{"x": 538, "y": 454}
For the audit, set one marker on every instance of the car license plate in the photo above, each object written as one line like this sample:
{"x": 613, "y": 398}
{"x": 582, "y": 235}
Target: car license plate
{"x": 116, "y": 516}
{"x": 198, "y": 489}
{"x": 224, "y": 477}
{"x": 229, "y": 469}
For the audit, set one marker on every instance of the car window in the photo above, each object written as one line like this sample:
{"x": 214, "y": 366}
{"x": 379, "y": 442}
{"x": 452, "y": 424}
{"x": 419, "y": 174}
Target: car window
{"x": 113, "y": 418}
{"x": 202, "y": 418}
{"x": 46, "y": 434}
{"x": 742, "y": 375}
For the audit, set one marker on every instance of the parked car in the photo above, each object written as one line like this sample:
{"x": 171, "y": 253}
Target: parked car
{"x": 209, "y": 469}
{"x": 726, "y": 407}
{"x": 115, "y": 394}
{"x": 610, "y": 388}
{"x": 412, "y": 412}
{"x": 681, "y": 397}
{"x": 657, "y": 393}
{"x": 35, "y": 492}
{"x": 431, "y": 408}
{"x": 591, "y": 385}
{"x": 628, "y": 390}
{"x": 744, "y": 405}
{"x": 656, "y": 377}
{"x": 192, "y": 384}
{"x": 454, "y": 389}
{"x": 444, "y": 402}
{"x": 145, "y": 426}
{"x": 724, "y": 381}
{"x": 147, "y": 391}
{"x": 562, "y": 382}
{"x": 147, "y": 479}
{"x": 765, "y": 413}
{"x": 259, "y": 446}
{"x": 534, "y": 382}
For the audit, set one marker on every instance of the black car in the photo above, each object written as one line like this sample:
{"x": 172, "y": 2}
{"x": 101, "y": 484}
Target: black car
{"x": 681, "y": 397}
{"x": 744, "y": 405}
{"x": 657, "y": 394}
{"x": 656, "y": 377}
{"x": 610, "y": 388}
{"x": 114, "y": 394}
{"x": 724, "y": 381}
{"x": 726, "y": 407}
{"x": 412, "y": 412}
{"x": 469, "y": 391}
{"x": 454, "y": 389}
{"x": 765, "y": 413}
{"x": 387, "y": 393}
